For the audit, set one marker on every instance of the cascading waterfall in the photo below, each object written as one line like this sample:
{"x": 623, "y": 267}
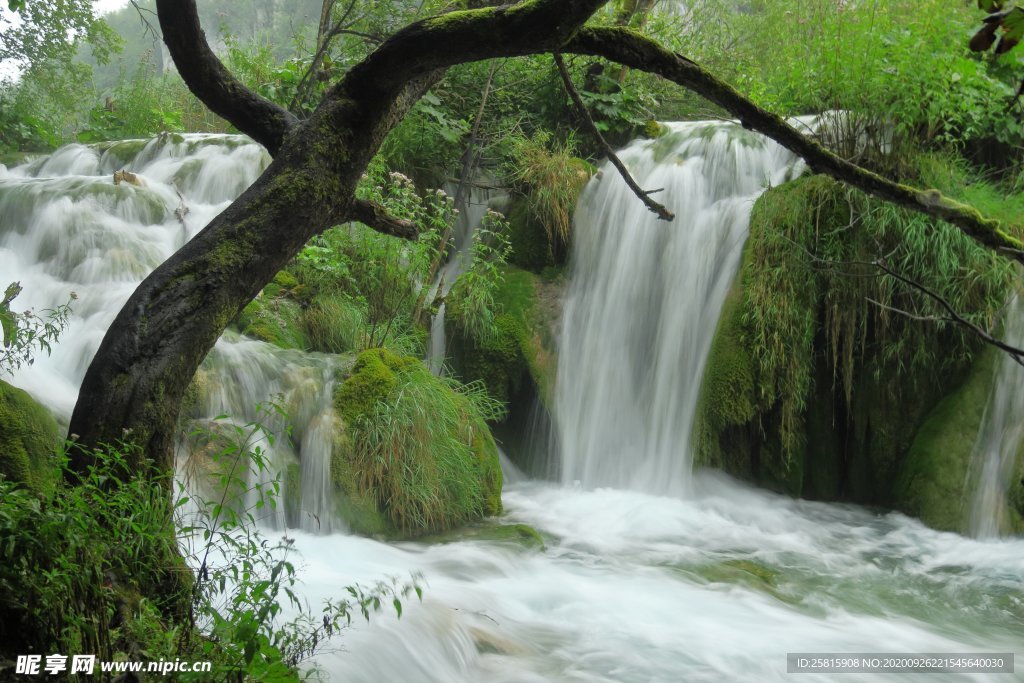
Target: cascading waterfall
{"x": 645, "y": 299}
{"x": 1001, "y": 434}
{"x": 632, "y": 587}
{"x": 65, "y": 226}
{"x": 472, "y": 203}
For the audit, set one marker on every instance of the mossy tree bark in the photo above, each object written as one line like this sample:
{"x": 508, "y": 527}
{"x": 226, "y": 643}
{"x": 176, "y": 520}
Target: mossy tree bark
{"x": 134, "y": 386}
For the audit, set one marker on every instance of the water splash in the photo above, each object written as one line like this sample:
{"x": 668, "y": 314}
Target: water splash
{"x": 645, "y": 299}
{"x": 1001, "y": 435}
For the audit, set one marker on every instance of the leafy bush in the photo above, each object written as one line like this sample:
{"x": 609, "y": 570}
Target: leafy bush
{"x": 25, "y": 334}
{"x": 95, "y": 566}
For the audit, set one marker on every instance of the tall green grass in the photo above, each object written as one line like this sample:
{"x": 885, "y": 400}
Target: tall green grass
{"x": 420, "y": 443}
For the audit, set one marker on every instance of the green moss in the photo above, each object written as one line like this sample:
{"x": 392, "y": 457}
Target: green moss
{"x": 277, "y": 321}
{"x": 489, "y": 468}
{"x": 652, "y": 129}
{"x": 293, "y": 493}
{"x": 519, "y": 358}
{"x": 812, "y": 389}
{"x": 728, "y": 394}
{"x": 286, "y": 280}
{"x": 29, "y": 439}
{"x": 372, "y": 380}
{"x": 932, "y": 481}
{"x": 520, "y": 534}
{"x": 1015, "y": 494}
{"x": 498, "y": 360}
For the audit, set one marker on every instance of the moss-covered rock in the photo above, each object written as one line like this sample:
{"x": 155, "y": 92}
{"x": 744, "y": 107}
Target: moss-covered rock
{"x": 932, "y": 483}
{"x": 29, "y": 439}
{"x": 521, "y": 352}
{"x": 520, "y": 534}
{"x": 276, "y": 320}
{"x": 813, "y": 390}
{"x": 413, "y": 454}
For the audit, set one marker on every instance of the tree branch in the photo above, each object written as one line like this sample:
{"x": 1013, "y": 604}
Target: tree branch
{"x": 523, "y": 28}
{"x": 376, "y": 216}
{"x": 659, "y": 209}
{"x": 1014, "y": 352}
{"x": 637, "y": 51}
{"x": 209, "y": 80}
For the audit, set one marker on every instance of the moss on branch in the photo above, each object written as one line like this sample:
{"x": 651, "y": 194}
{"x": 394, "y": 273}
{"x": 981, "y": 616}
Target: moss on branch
{"x": 636, "y": 51}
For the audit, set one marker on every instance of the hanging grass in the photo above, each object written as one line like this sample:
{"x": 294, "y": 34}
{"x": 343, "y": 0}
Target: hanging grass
{"x": 808, "y": 284}
{"x": 554, "y": 178}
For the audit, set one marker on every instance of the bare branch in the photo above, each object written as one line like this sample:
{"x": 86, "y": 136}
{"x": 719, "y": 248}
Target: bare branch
{"x": 147, "y": 27}
{"x": 659, "y": 209}
{"x": 376, "y": 216}
{"x": 639, "y": 52}
{"x": 209, "y": 80}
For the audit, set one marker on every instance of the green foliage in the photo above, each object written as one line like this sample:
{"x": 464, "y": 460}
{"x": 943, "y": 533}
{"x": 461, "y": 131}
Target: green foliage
{"x": 366, "y": 290}
{"x": 419, "y": 444}
{"x": 75, "y": 558}
{"x": 47, "y": 31}
{"x": 243, "y": 582}
{"x": 808, "y": 282}
{"x": 553, "y": 179}
{"x": 471, "y": 297}
{"x": 903, "y": 65}
{"x": 25, "y": 334}
{"x": 142, "y": 105}
{"x": 518, "y": 349}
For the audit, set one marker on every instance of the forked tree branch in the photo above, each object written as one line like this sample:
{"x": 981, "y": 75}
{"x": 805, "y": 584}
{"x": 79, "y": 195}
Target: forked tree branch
{"x": 953, "y": 316}
{"x": 376, "y": 216}
{"x": 659, "y": 209}
{"x": 209, "y": 80}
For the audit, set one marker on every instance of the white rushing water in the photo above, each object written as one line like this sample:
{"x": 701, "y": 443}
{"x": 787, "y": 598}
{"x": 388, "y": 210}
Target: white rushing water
{"x": 645, "y": 299}
{"x": 632, "y": 586}
{"x": 471, "y": 201}
{"x": 1002, "y": 433}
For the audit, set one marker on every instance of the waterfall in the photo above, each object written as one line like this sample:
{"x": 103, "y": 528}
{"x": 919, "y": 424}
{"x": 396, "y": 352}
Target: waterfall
{"x": 472, "y": 204}
{"x": 1001, "y": 434}
{"x": 65, "y": 226}
{"x": 632, "y": 587}
{"x": 645, "y": 299}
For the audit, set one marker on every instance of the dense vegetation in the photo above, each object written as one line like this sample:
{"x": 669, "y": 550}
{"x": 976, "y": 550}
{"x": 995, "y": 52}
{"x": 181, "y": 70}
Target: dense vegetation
{"x": 812, "y": 347}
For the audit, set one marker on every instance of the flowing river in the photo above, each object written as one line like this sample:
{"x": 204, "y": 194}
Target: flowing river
{"x": 650, "y": 573}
